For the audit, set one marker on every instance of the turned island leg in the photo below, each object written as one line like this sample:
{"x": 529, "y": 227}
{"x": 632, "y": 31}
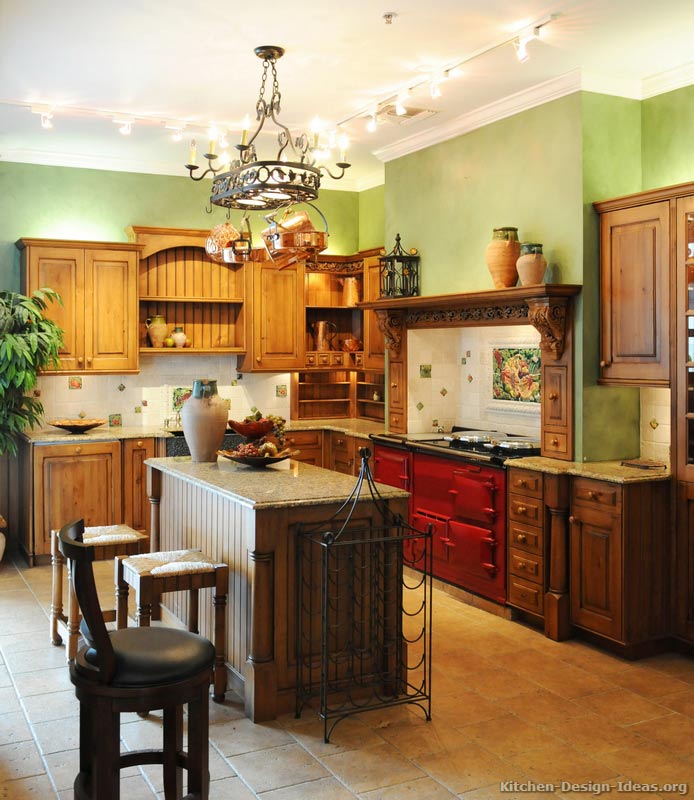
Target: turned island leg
{"x": 557, "y": 600}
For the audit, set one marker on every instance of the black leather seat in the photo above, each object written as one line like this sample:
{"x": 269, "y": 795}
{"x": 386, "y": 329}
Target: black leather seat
{"x": 136, "y": 669}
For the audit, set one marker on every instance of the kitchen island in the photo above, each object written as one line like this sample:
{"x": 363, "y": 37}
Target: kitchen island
{"x": 249, "y": 519}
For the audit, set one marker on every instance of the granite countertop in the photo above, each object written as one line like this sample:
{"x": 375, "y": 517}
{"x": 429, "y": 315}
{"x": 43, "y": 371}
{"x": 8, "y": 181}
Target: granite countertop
{"x": 354, "y": 427}
{"x": 611, "y": 471}
{"x": 282, "y": 485}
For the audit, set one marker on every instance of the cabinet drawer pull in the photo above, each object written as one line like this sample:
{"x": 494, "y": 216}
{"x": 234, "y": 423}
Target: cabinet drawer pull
{"x": 78, "y": 449}
{"x": 393, "y": 386}
{"x": 80, "y": 360}
{"x": 522, "y": 538}
{"x": 572, "y": 519}
{"x": 257, "y": 359}
{"x": 139, "y": 444}
{"x": 554, "y": 442}
{"x": 553, "y": 396}
{"x": 522, "y": 565}
{"x": 521, "y": 509}
{"x": 89, "y": 361}
{"x": 604, "y": 364}
{"x": 593, "y": 495}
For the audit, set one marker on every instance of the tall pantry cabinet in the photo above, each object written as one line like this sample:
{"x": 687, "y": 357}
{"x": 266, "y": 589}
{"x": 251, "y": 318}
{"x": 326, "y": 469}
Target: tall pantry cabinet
{"x": 647, "y": 339}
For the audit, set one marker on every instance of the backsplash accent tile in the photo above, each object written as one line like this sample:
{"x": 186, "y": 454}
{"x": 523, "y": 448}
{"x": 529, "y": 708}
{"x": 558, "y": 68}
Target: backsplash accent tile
{"x": 74, "y": 382}
{"x": 281, "y": 390}
{"x": 115, "y": 420}
{"x": 425, "y": 370}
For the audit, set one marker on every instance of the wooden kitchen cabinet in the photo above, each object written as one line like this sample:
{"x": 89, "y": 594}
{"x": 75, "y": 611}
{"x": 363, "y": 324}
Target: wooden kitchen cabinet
{"x": 136, "y": 508}
{"x": 62, "y": 482}
{"x": 179, "y": 280}
{"x": 527, "y": 544}
{"x": 309, "y": 444}
{"x": 98, "y": 286}
{"x": 342, "y": 453}
{"x": 275, "y": 333}
{"x": 620, "y": 559}
{"x": 635, "y": 263}
{"x": 374, "y": 341}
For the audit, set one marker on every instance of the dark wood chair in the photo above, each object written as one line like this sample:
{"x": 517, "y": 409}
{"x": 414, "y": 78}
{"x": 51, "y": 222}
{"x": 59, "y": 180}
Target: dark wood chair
{"x": 135, "y": 670}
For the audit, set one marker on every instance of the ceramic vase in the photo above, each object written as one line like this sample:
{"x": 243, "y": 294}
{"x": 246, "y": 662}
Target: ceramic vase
{"x": 501, "y": 256}
{"x": 532, "y": 264}
{"x": 204, "y": 420}
{"x": 156, "y": 330}
{"x": 179, "y": 336}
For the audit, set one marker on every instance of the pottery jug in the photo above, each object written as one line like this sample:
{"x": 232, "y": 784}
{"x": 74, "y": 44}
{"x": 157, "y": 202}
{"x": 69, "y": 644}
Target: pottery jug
{"x": 204, "y": 420}
{"x": 179, "y": 336}
{"x": 350, "y": 291}
{"x": 501, "y": 256}
{"x": 532, "y": 264}
{"x": 324, "y": 332}
{"x": 156, "y": 330}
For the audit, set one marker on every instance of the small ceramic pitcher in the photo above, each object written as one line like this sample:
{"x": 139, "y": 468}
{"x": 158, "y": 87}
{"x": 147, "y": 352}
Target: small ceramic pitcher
{"x": 156, "y": 330}
{"x": 179, "y": 336}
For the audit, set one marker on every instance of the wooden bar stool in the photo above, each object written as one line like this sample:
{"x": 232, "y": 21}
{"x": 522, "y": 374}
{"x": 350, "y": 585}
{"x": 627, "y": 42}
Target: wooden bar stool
{"x": 108, "y": 542}
{"x": 152, "y": 574}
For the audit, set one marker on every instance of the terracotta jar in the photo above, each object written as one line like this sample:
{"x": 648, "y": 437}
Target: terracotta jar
{"x": 204, "y": 420}
{"x": 157, "y": 329}
{"x": 501, "y": 256}
{"x": 532, "y": 264}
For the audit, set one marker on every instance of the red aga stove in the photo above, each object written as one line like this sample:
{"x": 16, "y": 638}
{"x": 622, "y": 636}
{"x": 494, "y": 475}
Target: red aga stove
{"x": 458, "y": 486}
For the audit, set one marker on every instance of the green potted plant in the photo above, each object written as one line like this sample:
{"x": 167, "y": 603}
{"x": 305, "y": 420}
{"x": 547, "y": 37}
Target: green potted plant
{"x": 28, "y": 343}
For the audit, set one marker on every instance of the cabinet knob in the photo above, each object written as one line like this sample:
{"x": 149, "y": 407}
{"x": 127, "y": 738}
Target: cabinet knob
{"x": 572, "y": 519}
{"x": 553, "y": 396}
{"x": 593, "y": 495}
{"x": 340, "y": 442}
{"x": 604, "y": 364}
{"x": 554, "y": 442}
{"x": 393, "y": 386}
{"x": 80, "y": 360}
{"x": 139, "y": 444}
{"x": 521, "y": 565}
{"x": 89, "y": 361}
{"x": 78, "y": 449}
{"x": 521, "y": 509}
{"x": 522, "y": 482}
{"x": 522, "y": 538}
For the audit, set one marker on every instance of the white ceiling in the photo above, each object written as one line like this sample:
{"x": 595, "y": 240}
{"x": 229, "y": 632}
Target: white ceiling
{"x": 160, "y": 61}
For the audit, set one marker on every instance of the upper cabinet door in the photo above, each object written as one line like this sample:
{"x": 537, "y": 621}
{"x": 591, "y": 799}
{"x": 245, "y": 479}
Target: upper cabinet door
{"x": 374, "y": 341}
{"x": 62, "y": 269}
{"x": 111, "y": 309}
{"x": 635, "y": 295}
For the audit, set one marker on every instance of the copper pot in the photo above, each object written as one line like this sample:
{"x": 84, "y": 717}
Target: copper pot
{"x": 351, "y": 345}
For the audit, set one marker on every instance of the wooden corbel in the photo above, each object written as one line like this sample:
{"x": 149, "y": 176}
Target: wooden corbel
{"x": 391, "y": 325}
{"x": 548, "y": 315}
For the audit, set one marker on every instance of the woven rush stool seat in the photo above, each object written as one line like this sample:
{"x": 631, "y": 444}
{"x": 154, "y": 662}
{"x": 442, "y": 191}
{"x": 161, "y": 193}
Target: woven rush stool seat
{"x": 108, "y": 542}
{"x": 153, "y": 574}
{"x": 135, "y": 670}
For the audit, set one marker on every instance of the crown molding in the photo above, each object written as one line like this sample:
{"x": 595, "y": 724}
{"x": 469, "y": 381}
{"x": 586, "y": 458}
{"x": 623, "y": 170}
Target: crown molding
{"x": 668, "y": 81}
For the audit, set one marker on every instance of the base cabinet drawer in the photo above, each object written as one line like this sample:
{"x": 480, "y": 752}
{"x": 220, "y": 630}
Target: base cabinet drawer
{"x": 526, "y": 595}
{"x": 526, "y": 565}
{"x": 309, "y": 444}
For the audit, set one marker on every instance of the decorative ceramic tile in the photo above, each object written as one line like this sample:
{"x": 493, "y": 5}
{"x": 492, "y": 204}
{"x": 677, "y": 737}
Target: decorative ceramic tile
{"x": 463, "y": 360}
{"x": 115, "y": 420}
{"x": 425, "y": 370}
{"x": 121, "y": 387}
{"x": 470, "y": 379}
{"x": 178, "y": 397}
{"x": 37, "y": 393}
{"x": 234, "y": 382}
{"x": 434, "y": 423}
{"x": 82, "y": 414}
{"x": 253, "y": 409}
{"x": 468, "y": 353}
{"x": 138, "y": 409}
{"x": 420, "y": 406}
{"x": 145, "y": 403}
{"x": 281, "y": 390}
{"x": 443, "y": 392}
{"x": 653, "y": 423}
{"x": 516, "y": 374}
{"x": 74, "y": 382}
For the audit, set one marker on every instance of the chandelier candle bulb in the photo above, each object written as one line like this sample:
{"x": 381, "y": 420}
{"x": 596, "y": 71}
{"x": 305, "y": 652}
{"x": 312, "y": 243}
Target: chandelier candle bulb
{"x": 193, "y": 153}
{"x": 244, "y": 133}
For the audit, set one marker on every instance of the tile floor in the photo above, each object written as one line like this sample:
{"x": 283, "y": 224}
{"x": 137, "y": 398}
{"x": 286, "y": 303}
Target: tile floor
{"x": 508, "y": 705}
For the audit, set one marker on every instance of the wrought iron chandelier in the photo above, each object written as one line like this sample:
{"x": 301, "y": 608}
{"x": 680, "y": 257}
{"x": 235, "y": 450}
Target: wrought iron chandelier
{"x": 252, "y": 184}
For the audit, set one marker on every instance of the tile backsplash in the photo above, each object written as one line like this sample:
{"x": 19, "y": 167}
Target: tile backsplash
{"x": 148, "y": 398}
{"x": 451, "y": 380}
{"x": 655, "y": 430}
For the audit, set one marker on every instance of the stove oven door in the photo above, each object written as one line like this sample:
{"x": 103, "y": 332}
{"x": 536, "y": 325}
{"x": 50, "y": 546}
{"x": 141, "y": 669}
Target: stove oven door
{"x": 476, "y": 557}
{"x": 474, "y": 493}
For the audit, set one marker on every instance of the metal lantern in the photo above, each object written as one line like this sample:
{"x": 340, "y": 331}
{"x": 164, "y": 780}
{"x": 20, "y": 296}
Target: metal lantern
{"x": 400, "y": 272}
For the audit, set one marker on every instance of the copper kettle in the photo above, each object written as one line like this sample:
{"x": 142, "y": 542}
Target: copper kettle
{"x": 323, "y": 333}
{"x": 350, "y": 291}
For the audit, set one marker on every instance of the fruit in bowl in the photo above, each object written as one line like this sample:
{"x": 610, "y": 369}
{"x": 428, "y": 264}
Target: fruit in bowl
{"x": 257, "y": 426}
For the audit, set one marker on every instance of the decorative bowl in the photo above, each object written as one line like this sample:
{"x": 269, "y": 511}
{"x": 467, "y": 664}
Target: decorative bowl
{"x": 351, "y": 345}
{"x": 257, "y": 461}
{"x": 252, "y": 430}
{"x": 76, "y": 425}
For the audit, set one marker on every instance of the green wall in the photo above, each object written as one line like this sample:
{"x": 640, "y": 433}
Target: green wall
{"x": 668, "y": 148}
{"x": 523, "y": 171}
{"x": 371, "y": 218}
{"x": 63, "y": 203}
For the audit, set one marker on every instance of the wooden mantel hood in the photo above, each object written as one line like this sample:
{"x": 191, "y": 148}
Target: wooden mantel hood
{"x": 544, "y": 306}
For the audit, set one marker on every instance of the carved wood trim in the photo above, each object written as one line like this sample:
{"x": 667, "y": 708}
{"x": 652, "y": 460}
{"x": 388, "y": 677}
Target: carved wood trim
{"x": 548, "y": 316}
{"x": 392, "y": 327}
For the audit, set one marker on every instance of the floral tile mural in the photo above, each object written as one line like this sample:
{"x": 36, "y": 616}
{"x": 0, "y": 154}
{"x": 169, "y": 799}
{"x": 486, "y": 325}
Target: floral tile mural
{"x": 516, "y": 374}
